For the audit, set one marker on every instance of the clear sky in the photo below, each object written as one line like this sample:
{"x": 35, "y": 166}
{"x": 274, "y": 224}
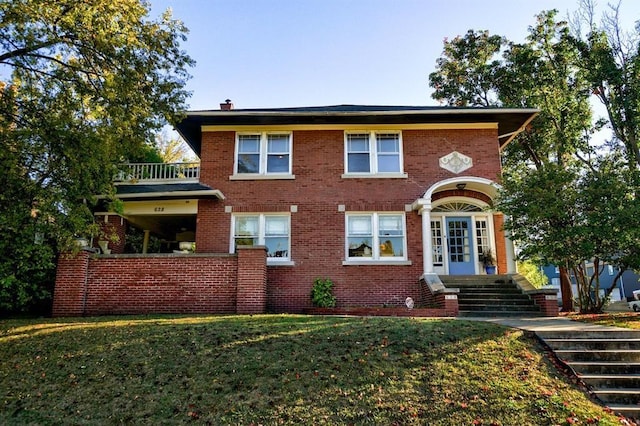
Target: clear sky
{"x": 286, "y": 53}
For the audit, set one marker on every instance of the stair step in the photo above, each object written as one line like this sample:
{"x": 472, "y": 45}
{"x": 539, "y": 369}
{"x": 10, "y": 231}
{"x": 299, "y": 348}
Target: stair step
{"x": 497, "y": 307}
{"x": 618, "y": 396}
{"x": 480, "y": 285}
{"x": 611, "y": 381}
{"x": 492, "y": 300}
{"x": 627, "y": 410}
{"x": 599, "y": 333}
{"x": 489, "y": 290}
{"x": 569, "y": 355}
{"x": 494, "y": 313}
{"x": 605, "y": 367}
{"x": 593, "y": 344}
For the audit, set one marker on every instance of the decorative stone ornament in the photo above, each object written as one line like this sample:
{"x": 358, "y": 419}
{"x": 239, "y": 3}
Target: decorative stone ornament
{"x": 456, "y": 162}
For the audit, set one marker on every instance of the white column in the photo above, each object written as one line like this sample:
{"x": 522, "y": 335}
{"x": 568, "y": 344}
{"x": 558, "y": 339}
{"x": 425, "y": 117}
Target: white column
{"x": 511, "y": 254}
{"x": 427, "y": 246}
{"x": 145, "y": 241}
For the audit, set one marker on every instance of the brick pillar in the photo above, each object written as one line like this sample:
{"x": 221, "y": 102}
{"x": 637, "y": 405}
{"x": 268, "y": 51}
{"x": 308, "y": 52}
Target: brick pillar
{"x": 251, "y": 295}
{"x": 501, "y": 252}
{"x": 112, "y": 226}
{"x": 448, "y": 301}
{"x": 71, "y": 277}
{"x": 548, "y": 304}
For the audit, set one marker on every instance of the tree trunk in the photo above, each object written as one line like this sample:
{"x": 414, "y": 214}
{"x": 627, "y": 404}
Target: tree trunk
{"x": 565, "y": 288}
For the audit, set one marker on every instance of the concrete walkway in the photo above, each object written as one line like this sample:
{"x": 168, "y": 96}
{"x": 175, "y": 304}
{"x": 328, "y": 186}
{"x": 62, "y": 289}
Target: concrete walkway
{"x": 541, "y": 324}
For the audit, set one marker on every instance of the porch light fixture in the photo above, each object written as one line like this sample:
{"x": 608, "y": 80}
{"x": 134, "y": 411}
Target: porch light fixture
{"x": 461, "y": 186}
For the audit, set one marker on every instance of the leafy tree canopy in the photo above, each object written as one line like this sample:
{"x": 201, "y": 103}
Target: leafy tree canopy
{"x": 85, "y": 85}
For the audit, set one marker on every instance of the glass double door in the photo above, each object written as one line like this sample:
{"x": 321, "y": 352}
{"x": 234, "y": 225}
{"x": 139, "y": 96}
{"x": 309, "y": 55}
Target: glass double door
{"x": 460, "y": 246}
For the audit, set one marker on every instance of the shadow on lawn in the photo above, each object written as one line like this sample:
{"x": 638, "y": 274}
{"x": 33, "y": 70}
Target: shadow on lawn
{"x": 273, "y": 369}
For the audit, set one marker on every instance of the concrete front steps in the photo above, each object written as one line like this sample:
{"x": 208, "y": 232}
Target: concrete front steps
{"x": 607, "y": 361}
{"x": 490, "y": 296}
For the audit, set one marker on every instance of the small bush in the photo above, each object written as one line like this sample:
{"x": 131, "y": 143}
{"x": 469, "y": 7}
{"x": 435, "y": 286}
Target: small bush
{"x": 321, "y": 294}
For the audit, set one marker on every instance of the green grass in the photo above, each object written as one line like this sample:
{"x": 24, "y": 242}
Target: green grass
{"x": 281, "y": 370}
{"x": 616, "y": 319}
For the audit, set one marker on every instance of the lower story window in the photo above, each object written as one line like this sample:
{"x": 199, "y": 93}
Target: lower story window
{"x": 375, "y": 236}
{"x": 270, "y": 230}
{"x": 436, "y": 242}
{"x": 482, "y": 238}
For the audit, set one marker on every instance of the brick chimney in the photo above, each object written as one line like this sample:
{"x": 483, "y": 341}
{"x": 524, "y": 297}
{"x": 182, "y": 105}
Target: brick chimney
{"x": 227, "y": 105}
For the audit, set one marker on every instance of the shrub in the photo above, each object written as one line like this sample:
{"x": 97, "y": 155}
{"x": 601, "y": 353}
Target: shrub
{"x": 321, "y": 294}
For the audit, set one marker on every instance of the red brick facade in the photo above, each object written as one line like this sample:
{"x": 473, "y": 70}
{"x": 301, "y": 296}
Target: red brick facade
{"x": 318, "y": 227}
{"x": 112, "y": 229}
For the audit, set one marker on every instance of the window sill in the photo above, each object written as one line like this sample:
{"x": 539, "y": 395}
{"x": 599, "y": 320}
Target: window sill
{"x": 375, "y": 176}
{"x": 274, "y": 176}
{"x": 376, "y": 262}
{"x": 281, "y": 263}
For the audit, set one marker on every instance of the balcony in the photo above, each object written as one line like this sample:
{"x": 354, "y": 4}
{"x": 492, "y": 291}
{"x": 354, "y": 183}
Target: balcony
{"x": 145, "y": 173}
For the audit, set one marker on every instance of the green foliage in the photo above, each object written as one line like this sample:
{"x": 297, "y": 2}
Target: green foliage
{"x": 321, "y": 293}
{"x": 466, "y": 72}
{"x": 488, "y": 259}
{"x": 531, "y": 271}
{"x": 282, "y": 369}
{"x": 91, "y": 83}
{"x": 610, "y": 62}
{"x": 134, "y": 241}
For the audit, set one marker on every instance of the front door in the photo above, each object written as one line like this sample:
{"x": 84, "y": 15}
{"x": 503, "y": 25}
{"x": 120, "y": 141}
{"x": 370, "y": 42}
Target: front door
{"x": 460, "y": 246}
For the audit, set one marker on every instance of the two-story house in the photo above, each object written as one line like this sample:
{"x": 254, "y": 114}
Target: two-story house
{"x": 374, "y": 198}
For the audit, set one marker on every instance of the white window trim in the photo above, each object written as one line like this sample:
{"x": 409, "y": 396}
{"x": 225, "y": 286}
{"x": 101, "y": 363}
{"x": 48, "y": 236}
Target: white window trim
{"x": 373, "y": 156}
{"x": 275, "y": 261}
{"x": 379, "y": 260}
{"x": 263, "y": 156}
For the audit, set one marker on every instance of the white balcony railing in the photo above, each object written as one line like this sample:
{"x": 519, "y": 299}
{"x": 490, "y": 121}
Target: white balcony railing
{"x": 150, "y": 172}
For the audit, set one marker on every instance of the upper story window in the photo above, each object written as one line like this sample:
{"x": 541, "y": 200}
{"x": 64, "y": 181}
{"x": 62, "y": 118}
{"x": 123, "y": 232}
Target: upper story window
{"x": 270, "y": 230}
{"x": 263, "y": 154}
{"x": 376, "y": 236}
{"x": 373, "y": 153}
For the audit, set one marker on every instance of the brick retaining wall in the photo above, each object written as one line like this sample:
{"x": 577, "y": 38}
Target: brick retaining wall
{"x": 88, "y": 284}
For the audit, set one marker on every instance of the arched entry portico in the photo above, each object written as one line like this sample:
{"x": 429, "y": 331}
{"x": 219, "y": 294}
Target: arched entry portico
{"x": 458, "y": 227}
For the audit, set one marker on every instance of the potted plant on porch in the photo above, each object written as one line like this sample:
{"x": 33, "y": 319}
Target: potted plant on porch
{"x": 489, "y": 262}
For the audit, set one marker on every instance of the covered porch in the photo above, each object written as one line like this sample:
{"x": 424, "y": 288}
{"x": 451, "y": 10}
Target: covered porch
{"x": 159, "y": 207}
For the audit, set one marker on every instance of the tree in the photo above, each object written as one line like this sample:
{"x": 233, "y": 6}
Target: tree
{"x": 610, "y": 61}
{"x": 88, "y": 84}
{"x": 466, "y": 73}
{"x": 173, "y": 149}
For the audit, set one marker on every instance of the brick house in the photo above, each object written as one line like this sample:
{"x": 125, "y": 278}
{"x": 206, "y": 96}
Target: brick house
{"x": 357, "y": 194}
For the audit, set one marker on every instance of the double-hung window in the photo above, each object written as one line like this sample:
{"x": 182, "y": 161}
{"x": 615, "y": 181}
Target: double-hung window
{"x": 376, "y": 236}
{"x": 373, "y": 153}
{"x": 263, "y": 154}
{"x": 270, "y": 230}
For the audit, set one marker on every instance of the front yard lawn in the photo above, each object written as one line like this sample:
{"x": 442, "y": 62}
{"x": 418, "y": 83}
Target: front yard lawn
{"x": 281, "y": 369}
{"x": 616, "y": 319}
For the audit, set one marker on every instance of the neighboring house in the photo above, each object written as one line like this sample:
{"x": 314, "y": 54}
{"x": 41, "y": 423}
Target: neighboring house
{"x": 629, "y": 281}
{"x": 357, "y": 194}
